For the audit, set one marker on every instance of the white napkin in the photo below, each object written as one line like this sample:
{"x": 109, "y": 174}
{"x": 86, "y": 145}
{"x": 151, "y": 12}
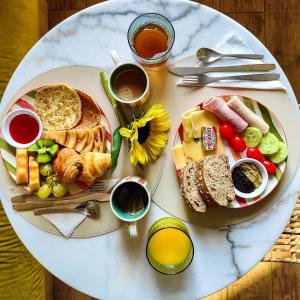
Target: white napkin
{"x": 234, "y": 44}
{"x": 65, "y": 223}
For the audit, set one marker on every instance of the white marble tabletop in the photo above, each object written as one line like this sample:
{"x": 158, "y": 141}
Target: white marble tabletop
{"x": 112, "y": 266}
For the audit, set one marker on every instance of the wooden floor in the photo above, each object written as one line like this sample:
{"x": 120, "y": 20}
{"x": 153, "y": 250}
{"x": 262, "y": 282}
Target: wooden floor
{"x": 277, "y": 24}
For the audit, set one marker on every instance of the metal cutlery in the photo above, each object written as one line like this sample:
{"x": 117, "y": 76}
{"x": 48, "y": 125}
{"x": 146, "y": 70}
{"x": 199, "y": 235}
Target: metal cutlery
{"x": 103, "y": 185}
{"x": 49, "y": 202}
{"x": 181, "y": 71}
{"x": 100, "y": 186}
{"x": 88, "y": 208}
{"x": 203, "y": 79}
{"x": 207, "y": 55}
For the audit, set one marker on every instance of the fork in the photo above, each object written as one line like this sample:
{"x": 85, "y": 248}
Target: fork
{"x": 202, "y": 79}
{"x": 103, "y": 185}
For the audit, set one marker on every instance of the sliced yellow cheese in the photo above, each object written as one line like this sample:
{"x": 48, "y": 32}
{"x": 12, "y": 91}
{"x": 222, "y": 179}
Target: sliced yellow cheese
{"x": 34, "y": 174}
{"x": 196, "y": 123}
{"x": 187, "y": 124}
{"x": 179, "y": 157}
{"x": 193, "y": 150}
{"x": 22, "y": 166}
{"x": 199, "y": 119}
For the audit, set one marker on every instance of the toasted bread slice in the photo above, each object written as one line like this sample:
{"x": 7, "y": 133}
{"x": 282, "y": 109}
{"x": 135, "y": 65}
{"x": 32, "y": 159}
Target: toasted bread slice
{"x": 201, "y": 184}
{"x": 215, "y": 181}
{"x": 189, "y": 188}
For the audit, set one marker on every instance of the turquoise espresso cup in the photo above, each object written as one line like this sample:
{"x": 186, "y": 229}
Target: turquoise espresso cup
{"x": 130, "y": 217}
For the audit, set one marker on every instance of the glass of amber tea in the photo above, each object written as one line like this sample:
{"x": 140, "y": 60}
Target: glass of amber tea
{"x": 151, "y": 37}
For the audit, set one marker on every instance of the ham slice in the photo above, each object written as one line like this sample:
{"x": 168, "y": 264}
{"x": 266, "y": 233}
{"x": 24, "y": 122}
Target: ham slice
{"x": 243, "y": 111}
{"x": 219, "y": 107}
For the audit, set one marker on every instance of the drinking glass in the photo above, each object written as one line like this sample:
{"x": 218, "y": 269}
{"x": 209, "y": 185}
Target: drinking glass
{"x": 151, "y": 19}
{"x": 169, "y": 248}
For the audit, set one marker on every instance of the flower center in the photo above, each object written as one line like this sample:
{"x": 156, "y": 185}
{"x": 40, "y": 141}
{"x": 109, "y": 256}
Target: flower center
{"x": 143, "y": 133}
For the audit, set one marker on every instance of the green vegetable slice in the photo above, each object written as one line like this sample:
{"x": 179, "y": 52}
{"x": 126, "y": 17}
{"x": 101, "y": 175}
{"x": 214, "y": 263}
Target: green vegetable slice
{"x": 269, "y": 144}
{"x": 252, "y": 136}
{"x": 280, "y": 155}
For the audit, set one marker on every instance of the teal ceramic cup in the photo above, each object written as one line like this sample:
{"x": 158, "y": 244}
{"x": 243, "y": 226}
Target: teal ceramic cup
{"x": 130, "y": 201}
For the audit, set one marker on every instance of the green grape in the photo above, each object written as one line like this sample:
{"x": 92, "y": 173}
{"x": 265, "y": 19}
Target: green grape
{"x": 59, "y": 189}
{"x": 52, "y": 179}
{"x": 46, "y": 169}
{"x": 49, "y": 181}
{"x": 44, "y": 191}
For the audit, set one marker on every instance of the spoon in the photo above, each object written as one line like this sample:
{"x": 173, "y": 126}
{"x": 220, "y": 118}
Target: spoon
{"x": 89, "y": 208}
{"x": 207, "y": 55}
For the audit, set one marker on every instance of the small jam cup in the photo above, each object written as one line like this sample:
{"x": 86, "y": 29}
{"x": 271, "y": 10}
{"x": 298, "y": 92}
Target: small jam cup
{"x": 176, "y": 226}
{"x": 131, "y": 219}
{"x": 6, "y": 123}
{"x": 162, "y": 22}
{"x": 121, "y": 67}
{"x": 263, "y": 172}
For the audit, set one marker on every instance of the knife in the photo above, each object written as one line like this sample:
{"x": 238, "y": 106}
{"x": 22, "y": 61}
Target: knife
{"x": 181, "y": 71}
{"x": 31, "y": 205}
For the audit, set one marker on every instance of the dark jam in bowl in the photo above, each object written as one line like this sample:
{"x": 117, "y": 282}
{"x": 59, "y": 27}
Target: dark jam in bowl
{"x": 24, "y": 128}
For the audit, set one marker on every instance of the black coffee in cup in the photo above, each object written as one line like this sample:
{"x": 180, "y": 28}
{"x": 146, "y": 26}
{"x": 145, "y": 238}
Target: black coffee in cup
{"x": 131, "y": 198}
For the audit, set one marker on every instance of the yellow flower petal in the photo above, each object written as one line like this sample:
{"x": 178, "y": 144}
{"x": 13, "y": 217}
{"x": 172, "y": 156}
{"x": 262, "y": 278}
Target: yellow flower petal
{"x": 157, "y": 140}
{"x": 126, "y": 132}
{"x": 139, "y": 153}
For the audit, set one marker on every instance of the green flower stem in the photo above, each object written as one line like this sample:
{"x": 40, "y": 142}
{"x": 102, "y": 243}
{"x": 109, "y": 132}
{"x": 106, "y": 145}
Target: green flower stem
{"x": 116, "y": 138}
{"x": 120, "y": 116}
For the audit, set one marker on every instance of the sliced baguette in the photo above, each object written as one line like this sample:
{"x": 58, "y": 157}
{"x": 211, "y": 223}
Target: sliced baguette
{"x": 189, "y": 188}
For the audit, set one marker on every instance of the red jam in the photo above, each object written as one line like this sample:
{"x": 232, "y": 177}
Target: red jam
{"x": 24, "y": 128}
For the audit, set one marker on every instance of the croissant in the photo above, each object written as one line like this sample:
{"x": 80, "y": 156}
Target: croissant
{"x": 94, "y": 164}
{"x": 68, "y": 165}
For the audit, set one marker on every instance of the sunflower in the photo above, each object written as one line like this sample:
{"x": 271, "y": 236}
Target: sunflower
{"x": 147, "y": 135}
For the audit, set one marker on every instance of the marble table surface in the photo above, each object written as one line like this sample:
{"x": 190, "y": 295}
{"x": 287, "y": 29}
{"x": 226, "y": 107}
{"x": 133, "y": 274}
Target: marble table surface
{"x": 112, "y": 266}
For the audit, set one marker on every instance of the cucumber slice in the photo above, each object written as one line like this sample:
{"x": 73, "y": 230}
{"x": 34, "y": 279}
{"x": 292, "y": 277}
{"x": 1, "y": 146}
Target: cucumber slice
{"x": 280, "y": 155}
{"x": 269, "y": 144}
{"x": 252, "y": 136}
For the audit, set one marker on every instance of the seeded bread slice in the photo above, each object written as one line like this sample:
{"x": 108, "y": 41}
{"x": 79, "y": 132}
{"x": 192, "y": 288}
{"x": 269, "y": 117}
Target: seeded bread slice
{"x": 205, "y": 195}
{"x": 189, "y": 188}
{"x": 217, "y": 179}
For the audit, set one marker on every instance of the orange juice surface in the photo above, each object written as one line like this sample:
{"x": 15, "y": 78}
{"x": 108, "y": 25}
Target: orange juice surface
{"x": 169, "y": 246}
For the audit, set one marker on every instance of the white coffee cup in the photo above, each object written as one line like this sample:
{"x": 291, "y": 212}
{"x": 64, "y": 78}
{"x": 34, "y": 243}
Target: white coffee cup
{"x": 121, "y": 68}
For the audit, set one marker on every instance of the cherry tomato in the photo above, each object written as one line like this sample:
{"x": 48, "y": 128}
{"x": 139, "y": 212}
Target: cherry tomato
{"x": 254, "y": 153}
{"x": 238, "y": 144}
{"x": 271, "y": 168}
{"x": 226, "y": 131}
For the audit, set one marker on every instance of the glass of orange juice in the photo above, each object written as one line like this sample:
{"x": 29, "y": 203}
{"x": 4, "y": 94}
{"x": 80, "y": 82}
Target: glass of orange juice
{"x": 169, "y": 248}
